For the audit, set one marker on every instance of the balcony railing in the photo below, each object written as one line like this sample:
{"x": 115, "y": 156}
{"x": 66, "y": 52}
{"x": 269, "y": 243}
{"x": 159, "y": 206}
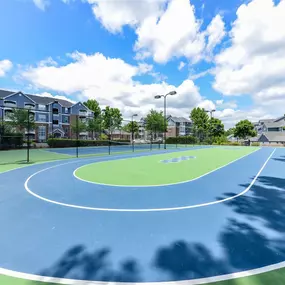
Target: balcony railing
{"x": 82, "y": 113}
{"x": 30, "y": 107}
{"x": 12, "y": 105}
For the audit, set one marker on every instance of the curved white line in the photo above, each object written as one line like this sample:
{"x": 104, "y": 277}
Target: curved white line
{"x": 146, "y": 210}
{"x": 199, "y": 281}
{"x": 160, "y": 185}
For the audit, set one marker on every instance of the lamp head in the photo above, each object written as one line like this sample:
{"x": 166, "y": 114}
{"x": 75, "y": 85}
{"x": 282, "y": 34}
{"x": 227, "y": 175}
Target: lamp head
{"x": 172, "y": 93}
{"x": 157, "y": 96}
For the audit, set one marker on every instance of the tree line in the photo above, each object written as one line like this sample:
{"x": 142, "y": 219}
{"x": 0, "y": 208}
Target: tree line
{"x": 203, "y": 127}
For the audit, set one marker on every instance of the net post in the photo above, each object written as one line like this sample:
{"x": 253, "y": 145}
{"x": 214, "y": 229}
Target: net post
{"x": 2, "y": 126}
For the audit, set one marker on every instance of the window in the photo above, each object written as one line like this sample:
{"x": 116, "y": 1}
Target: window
{"x": 42, "y": 107}
{"x": 66, "y": 111}
{"x": 55, "y": 111}
{"x": 65, "y": 119}
{"x": 42, "y": 118}
{"x": 42, "y": 132}
{"x": 55, "y": 122}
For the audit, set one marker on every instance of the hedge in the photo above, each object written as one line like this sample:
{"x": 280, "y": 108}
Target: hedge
{"x": 181, "y": 140}
{"x": 11, "y": 141}
{"x": 61, "y": 143}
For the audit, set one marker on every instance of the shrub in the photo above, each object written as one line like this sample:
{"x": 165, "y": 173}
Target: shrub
{"x": 255, "y": 144}
{"x": 11, "y": 141}
{"x": 181, "y": 140}
{"x": 61, "y": 143}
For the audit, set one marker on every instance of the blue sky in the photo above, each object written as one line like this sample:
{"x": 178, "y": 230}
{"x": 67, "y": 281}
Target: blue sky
{"x": 123, "y": 52}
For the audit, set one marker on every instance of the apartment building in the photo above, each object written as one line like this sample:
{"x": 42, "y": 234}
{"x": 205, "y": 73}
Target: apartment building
{"x": 178, "y": 126}
{"x": 52, "y": 116}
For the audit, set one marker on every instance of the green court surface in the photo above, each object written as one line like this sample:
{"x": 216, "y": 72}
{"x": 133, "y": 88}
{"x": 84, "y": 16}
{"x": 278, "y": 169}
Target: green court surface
{"x": 160, "y": 169}
{"x": 12, "y": 159}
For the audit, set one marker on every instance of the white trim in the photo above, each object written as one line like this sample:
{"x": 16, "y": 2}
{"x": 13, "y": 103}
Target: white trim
{"x": 57, "y": 129}
{"x": 160, "y": 185}
{"x": 139, "y": 210}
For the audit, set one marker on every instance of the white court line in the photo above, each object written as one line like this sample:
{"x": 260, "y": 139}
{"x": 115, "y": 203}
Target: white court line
{"x": 199, "y": 281}
{"x": 160, "y": 185}
{"x": 146, "y": 210}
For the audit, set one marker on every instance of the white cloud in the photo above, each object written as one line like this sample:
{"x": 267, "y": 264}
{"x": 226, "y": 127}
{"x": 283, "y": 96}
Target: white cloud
{"x": 116, "y": 13}
{"x": 181, "y": 65}
{"x": 221, "y": 104}
{"x": 216, "y": 32}
{"x": 5, "y": 66}
{"x": 110, "y": 81}
{"x": 47, "y": 94}
{"x": 255, "y": 61}
{"x": 41, "y": 4}
{"x": 164, "y": 28}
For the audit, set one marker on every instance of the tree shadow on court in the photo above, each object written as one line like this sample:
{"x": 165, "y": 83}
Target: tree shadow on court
{"x": 264, "y": 201}
{"x": 78, "y": 263}
{"x": 281, "y": 158}
{"x": 243, "y": 246}
{"x": 183, "y": 261}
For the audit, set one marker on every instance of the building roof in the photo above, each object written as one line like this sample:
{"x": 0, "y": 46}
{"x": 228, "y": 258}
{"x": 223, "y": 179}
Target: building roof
{"x": 278, "y": 124}
{"x": 47, "y": 100}
{"x": 38, "y": 98}
{"x": 5, "y": 93}
{"x": 274, "y": 136}
{"x": 179, "y": 119}
{"x": 280, "y": 118}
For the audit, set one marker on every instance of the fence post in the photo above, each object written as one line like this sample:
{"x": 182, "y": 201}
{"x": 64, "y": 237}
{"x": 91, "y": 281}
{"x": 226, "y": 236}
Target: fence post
{"x": 28, "y": 146}
{"x": 2, "y": 127}
{"x": 77, "y": 135}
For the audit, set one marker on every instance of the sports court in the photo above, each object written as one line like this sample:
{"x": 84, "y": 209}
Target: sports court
{"x": 189, "y": 215}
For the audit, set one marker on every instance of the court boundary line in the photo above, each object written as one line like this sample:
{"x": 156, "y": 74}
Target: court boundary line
{"x": 207, "y": 280}
{"x": 150, "y": 209}
{"x": 160, "y": 185}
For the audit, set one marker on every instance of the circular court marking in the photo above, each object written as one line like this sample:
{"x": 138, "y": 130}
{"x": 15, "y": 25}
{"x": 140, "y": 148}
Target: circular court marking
{"x": 139, "y": 210}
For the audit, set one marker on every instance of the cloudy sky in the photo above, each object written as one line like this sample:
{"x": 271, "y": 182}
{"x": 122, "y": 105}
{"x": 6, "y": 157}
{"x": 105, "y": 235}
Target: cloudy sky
{"x": 227, "y": 54}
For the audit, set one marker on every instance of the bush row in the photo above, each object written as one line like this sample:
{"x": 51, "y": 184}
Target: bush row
{"x": 57, "y": 143}
{"x": 11, "y": 141}
{"x": 181, "y": 140}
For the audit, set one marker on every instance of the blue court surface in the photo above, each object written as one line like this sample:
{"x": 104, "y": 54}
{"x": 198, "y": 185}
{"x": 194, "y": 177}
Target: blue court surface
{"x": 231, "y": 220}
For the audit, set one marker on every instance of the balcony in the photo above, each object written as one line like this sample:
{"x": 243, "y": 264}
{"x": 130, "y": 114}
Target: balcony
{"x": 30, "y": 106}
{"x": 11, "y": 104}
{"x": 83, "y": 113}
{"x": 31, "y": 132}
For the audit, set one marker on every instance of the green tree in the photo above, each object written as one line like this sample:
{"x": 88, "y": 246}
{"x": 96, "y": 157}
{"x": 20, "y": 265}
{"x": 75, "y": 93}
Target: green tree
{"x": 155, "y": 121}
{"x": 93, "y": 105}
{"x": 200, "y": 121}
{"x": 22, "y": 120}
{"x": 94, "y": 125}
{"x": 112, "y": 119}
{"x": 131, "y": 127}
{"x": 216, "y": 128}
{"x": 230, "y": 131}
{"x": 244, "y": 129}
{"x": 78, "y": 127}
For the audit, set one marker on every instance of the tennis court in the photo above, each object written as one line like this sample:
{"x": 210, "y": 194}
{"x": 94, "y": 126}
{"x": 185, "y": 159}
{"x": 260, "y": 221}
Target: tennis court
{"x": 189, "y": 215}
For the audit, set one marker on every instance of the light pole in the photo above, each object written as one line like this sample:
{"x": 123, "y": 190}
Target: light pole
{"x": 133, "y": 143}
{"x": 109, "y": 136}
{"x": 211, "y": 116}
{"x": 211, "y": 112}
{"x": 164, "y": 97}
